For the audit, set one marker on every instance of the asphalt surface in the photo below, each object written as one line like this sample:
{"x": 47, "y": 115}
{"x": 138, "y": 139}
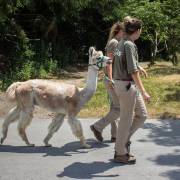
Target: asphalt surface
{"x": 156, "y": 147}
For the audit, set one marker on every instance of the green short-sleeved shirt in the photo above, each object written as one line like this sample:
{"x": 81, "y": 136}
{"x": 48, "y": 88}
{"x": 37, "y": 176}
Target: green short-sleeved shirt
{"x": 110, "y": 48}
{"x": 125, "y": 60}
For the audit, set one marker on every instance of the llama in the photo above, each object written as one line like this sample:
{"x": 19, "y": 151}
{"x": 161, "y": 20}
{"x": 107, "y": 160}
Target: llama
{"x": 63, "y": 99}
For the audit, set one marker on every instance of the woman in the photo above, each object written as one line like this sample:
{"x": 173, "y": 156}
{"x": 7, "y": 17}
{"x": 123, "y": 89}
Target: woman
{"x": 129, "y": 89}
{"x": 115, "y": 35}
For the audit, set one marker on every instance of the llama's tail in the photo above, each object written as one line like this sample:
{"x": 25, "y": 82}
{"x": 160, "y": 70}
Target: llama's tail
{"x": 10, "y": 92}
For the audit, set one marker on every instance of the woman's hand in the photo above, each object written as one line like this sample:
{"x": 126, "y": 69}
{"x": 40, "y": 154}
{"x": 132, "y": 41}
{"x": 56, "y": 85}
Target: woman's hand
{"x": 146, "y": 96}
{"x": 110, "y": 84}
{"x": 142, "y": 71}
{"x": 139, "y": 84}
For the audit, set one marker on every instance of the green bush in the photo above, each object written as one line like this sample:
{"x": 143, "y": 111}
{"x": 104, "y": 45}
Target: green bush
{"x": 42, "y": 72}
{"x": 52, "y": 66}
{"x": 26, "y": 71}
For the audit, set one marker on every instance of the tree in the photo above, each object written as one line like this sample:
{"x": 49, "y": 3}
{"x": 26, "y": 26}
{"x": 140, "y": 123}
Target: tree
{"x": 154, "y": 21}
{"x": 12, "y": 36}
{"x": 171, "y": 10}
{"x": 56, "y": 29}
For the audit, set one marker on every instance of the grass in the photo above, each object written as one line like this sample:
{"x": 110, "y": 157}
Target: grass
{"x": 163, "y": 84}
{"x": 98, "y": 105}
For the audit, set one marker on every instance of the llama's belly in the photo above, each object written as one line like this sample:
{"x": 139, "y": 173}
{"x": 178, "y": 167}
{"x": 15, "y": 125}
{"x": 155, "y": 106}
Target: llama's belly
{"x": 51, "y": 103}
{"x": 57, "y": 110}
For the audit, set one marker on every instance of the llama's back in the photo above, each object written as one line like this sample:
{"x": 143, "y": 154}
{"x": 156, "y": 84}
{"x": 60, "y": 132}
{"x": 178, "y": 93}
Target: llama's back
{"x": 56, "y": 88}
{"x": 44, "y": 91}
{"x": 54, "y": 95}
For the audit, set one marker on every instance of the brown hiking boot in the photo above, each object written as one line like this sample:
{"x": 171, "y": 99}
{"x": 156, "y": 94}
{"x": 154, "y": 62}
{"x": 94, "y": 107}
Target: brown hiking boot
{"x": 129, "y": 154}
{"x": 97, "y": 134}
{"x": 125, "y": 159}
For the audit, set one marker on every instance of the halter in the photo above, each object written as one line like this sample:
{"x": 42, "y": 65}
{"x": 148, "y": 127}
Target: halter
{"x": 99, "y": 62}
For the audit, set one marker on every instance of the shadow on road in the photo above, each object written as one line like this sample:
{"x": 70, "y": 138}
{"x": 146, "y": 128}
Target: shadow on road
{"x": 172, "y": 159}
{"x": 91, "y": 170}
{"x": 67, "y": 150}
{"x": 173, "y": 174}
{"x": 167, "y": 133}
{"x": 168, "y": 159}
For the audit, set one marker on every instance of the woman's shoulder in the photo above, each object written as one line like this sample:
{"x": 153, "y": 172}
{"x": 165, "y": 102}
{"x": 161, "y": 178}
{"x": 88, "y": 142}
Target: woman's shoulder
{"x": 128, "y": 43}
{"x": 112, "y": 44}
{"x": 113, "y": 41}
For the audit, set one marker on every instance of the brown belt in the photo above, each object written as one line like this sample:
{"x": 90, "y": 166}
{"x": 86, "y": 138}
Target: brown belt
{"x": 124, "y": 79}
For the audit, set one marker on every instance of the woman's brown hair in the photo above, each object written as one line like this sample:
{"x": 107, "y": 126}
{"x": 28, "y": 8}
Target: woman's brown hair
{"x": 132, "y": 24}
{"x": 116, "y": 27}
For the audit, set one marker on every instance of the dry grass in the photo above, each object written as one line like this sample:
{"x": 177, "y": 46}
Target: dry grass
{"x": 163, "y": 84}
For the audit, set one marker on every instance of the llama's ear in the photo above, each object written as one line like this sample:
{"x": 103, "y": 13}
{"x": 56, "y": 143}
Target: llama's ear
{"x": 91, "y": 50}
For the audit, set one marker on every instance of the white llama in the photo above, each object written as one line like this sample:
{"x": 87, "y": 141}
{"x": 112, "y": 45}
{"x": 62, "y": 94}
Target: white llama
{"x": 58, "y": 97}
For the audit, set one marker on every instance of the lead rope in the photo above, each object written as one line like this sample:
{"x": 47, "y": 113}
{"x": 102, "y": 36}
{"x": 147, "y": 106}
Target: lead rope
{"x": 108, "y": 96}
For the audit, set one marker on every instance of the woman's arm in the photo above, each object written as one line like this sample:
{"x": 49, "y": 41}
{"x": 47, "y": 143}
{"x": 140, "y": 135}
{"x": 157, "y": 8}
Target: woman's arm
{"x": 139, "y": 84}
{"x": 110, "y": 48}
{"x": 109, "y": 66}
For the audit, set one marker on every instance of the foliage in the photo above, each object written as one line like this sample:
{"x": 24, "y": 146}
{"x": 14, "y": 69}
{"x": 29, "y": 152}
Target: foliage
{"x": 26, "y": 71}
{"x": 171, "y": 9}
{"x": 42, "y": 73}
{"x": 154, "y": 21}
{"x": 60, "y": 32}
{"x": 52, "y": 67}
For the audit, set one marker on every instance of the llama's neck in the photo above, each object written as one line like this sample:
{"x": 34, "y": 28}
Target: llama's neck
{"x": 91, "y": 85}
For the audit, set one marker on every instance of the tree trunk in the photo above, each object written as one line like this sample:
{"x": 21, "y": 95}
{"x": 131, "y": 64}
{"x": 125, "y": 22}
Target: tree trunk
{"x": 154, "y": 49}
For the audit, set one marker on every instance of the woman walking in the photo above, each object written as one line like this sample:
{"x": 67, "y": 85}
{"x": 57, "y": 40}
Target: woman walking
{"x": 115, "y": 35}
{"x": 129, "y": 90}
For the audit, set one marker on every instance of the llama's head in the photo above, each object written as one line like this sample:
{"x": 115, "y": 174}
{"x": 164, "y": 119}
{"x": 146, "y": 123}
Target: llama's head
{"x": 97, "y": 59}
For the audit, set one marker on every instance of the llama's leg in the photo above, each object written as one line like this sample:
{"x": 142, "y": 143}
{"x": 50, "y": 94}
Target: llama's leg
{"x": 12, "y": 116}
{"x": 53, "y": 127}
{"x": 24, "y": 121}
{"x": 78, "y": 131}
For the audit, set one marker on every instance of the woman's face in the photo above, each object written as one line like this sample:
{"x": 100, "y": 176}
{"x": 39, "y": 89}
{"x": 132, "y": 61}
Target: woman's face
{"x": 138, "y": 33}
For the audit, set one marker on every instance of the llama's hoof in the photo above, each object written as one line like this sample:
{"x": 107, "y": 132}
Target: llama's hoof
{"x": 31, "y": 145}
{"x": 48, "y": 145}
{"x": 87, "y": 146}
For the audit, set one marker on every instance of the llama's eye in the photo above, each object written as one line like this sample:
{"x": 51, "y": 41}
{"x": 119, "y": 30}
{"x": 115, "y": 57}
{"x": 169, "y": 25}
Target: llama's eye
{"x": 98, "y": 58}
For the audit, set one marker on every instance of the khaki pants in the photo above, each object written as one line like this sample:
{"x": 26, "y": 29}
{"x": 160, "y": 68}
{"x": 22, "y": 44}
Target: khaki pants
{"x": 133, "y": 113}
{"x": 112, "y": 115}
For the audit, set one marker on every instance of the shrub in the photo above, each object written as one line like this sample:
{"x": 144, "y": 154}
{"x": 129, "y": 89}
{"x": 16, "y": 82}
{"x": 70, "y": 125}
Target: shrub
{"x": 52, "y": 66}
{"x": 42, "y": 72}
{"x": 26, "y": 71}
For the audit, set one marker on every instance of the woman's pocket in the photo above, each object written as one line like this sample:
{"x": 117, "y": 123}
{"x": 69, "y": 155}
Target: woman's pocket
{"x": 133, "y": 89}
{"x": 125, "y": 87}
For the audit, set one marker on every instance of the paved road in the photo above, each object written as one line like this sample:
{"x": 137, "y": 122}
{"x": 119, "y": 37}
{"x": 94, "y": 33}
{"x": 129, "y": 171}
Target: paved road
{"x": 156, "y": 146}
